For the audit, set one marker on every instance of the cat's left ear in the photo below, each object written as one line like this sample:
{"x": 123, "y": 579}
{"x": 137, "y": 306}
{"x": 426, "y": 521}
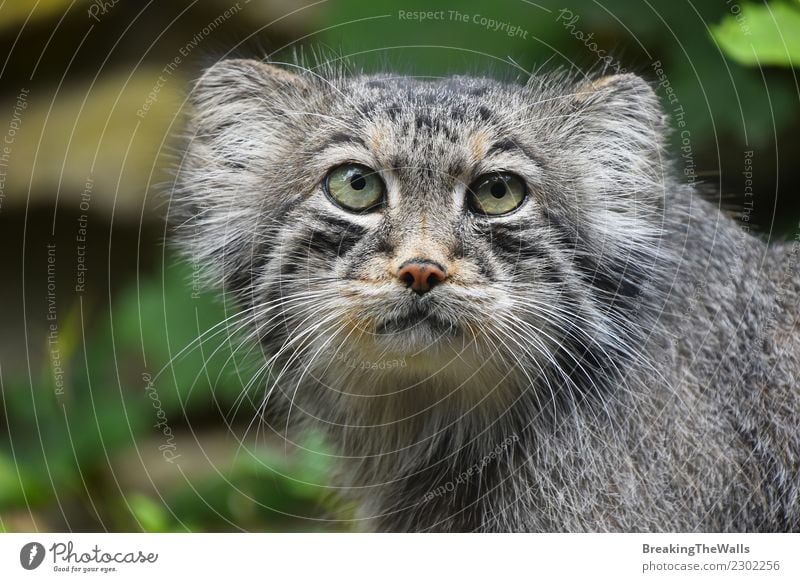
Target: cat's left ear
{"x": 622, "y": 106}
{"x": 621, "y": 128}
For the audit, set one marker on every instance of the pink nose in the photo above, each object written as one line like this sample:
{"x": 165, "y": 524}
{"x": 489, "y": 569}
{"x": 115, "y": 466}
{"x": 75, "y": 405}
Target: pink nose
{"x": 421, "y": 275}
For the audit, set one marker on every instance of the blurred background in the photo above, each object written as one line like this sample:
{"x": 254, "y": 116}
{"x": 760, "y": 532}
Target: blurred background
{"x": 123, "y": 407}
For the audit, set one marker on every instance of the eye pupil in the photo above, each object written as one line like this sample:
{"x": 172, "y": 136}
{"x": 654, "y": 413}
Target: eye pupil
{"x": 358, "y": 182}
{"x": 498, "y": 189}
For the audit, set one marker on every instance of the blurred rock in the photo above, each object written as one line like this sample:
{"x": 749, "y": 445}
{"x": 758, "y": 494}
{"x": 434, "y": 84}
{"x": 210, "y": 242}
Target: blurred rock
{"x": 104, "y": 143}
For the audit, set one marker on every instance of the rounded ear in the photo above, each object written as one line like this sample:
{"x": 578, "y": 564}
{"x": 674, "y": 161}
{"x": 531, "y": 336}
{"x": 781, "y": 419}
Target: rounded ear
{"x": 236, "y": 91}
{"x": 241, "y": 78}
{"x": 625, "y": 98}
{"x": 622, "y": 127}
{"x": 238, "y": 124}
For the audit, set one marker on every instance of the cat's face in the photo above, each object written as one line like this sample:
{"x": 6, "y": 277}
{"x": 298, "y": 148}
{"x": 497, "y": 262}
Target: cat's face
{"x": 453, "y": 224}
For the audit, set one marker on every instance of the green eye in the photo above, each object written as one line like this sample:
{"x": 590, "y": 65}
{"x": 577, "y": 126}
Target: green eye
{"x": 355, "y": 187}
{"x": 496, "y": 194}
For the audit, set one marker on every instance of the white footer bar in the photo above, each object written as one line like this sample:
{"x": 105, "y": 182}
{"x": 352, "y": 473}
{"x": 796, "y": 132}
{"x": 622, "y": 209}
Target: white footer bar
{"x": 389, "y": 557}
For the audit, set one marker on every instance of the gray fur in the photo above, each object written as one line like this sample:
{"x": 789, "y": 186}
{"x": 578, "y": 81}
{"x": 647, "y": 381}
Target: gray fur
{"x": 614, "y": 356}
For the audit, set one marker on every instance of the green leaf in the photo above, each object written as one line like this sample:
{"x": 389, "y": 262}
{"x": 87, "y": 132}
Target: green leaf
{"x": 766, "y": 34}
{"x": 150, "y": 514}
{"x": 10, "y": 486}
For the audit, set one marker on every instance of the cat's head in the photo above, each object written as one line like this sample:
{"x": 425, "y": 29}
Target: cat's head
{"x": 455, "y": 228}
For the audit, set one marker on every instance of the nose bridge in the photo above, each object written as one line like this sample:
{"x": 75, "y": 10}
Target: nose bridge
{"x": 422, "y": 220}
{"x": 422, "y": 236}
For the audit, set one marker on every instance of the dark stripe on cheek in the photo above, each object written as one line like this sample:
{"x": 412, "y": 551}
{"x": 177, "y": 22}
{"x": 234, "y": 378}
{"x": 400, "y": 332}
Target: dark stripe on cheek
{"x": 383, "y": 246}
{"x": 563, "y": 233}
{"x": 342, "y": 225}
{"x": 239, "y": 279}
{"x": 335, "y": 237}
{"x": 618, "y": 283}
{"x": 289, "y": 266}
{"x": 485, "y": 263}
{"x": 239, "y": 282}
{"x": 514, "y": 242}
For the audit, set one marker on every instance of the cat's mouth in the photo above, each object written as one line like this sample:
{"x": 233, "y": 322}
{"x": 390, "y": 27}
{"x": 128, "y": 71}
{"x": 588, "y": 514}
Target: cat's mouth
{"x": 420, "y": 318}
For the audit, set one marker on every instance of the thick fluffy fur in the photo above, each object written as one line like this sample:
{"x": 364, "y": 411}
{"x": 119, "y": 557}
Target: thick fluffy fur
{"x": 616, "y": 355}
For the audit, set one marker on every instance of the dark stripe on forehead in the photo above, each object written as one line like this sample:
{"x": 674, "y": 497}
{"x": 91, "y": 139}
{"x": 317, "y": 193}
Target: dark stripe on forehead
{"x": 485, "y": 113}
{"x": 393, "y": 110}
{"x": 514, "y": 146}
{"x": 433, "y": 122}
{"x": 504, "y": 145}
{"x": 339, "y": 138}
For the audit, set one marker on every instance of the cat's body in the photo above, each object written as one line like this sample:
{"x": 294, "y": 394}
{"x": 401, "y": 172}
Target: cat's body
{"x": 610, "y": 353}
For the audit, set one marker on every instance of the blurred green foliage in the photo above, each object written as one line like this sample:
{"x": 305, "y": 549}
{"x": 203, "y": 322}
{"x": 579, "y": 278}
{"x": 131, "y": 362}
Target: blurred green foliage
{"x": 765, "y": 34}
{"x": 150, "y": 353}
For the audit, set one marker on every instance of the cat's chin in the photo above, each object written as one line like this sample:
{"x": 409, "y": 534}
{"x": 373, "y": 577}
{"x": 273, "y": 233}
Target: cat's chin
{"x": 417, "y": 320}
{"x": 416, "y": 334}
{"x": 396, "y": 363}
{"x": 415, "y": 342}
{"x": 425, "y": 346}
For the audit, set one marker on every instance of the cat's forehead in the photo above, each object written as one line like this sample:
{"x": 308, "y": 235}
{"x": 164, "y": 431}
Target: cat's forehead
{"x": 411, "y": 122}
{"x": 450, "y": 102}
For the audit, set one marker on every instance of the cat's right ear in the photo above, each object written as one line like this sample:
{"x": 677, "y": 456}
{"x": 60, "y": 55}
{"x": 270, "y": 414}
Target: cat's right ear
{"x": 243, "y": 90}
{"x": 234, "y": 78}
{"x": 241, "y": 119}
